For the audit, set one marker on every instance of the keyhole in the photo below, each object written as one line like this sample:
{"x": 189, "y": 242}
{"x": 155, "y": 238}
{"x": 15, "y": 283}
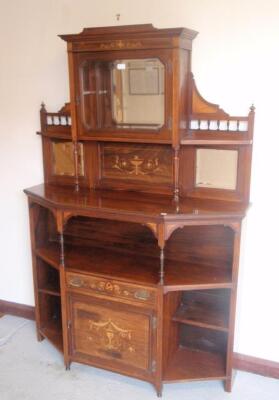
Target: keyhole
{"x": 118, "y": 17}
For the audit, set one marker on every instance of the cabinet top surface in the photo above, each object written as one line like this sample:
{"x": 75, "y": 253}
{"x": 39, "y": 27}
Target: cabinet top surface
{"x": 142, "y": 30}
{"x": 133, "y": 206}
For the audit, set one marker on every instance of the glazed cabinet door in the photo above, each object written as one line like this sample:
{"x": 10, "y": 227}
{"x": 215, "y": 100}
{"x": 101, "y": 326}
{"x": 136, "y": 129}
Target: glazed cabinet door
{"x": 122, "y": 95}
{"x": 112, "y": 335}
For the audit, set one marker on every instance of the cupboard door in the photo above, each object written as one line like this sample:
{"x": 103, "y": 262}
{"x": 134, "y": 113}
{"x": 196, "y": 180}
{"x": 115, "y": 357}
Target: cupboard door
{"x": 121, "y": 97}
{"x": 112, "y": 335}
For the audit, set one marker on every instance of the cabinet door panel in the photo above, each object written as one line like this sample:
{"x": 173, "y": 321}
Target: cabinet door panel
{"x": 122, "y": 97}
{"x": 114, "y": 334}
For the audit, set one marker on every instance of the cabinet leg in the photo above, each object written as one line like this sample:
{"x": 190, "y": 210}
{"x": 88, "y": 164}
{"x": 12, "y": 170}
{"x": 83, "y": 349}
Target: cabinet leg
{"x": 229, "y": 381}
{"x": 159, "y": 393}
{"x": 67, "y": 366}
{"x": 159, "y": 389}
{"x": 228, "y": 384}
{"x": 40, "y": 337}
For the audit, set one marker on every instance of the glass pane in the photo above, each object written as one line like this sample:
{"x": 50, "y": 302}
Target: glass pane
{"x": 89, "y": 113}
{"x": 63, "y": 159}
{"x": 138, "y": 92}
{"x": 216, "y": 168}
{"x": 122, "y": 94}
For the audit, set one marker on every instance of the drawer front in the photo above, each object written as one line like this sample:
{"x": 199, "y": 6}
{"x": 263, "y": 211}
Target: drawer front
{"x": 112, "y": 335}
{"x": 111, "y": 288}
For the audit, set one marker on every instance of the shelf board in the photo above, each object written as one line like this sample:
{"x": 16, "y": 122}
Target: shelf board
{"x": 135, "y": 207}
{"x": 50, "y": 254}
{"x": 198, "y": 314}
{"x": 215, "y": 142}
{"x": 136, "y": 268}
{"x": 53, "y": 332}
{"x": 50, "y": 288}
{"x": 189, "y": 365}
{"x": 188, "y": 276}
{"x": 56, "y": 135}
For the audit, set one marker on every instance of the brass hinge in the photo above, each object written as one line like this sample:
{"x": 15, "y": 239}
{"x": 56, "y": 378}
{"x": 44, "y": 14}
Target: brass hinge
{"x": 154, "y": 322}
{"x": 153, "y": 366}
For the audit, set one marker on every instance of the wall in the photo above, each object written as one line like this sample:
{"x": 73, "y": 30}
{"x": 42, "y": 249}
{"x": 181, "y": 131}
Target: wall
{"x": 235, "y": 64}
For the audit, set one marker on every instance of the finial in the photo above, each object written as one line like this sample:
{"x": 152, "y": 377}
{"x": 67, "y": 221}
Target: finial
{"x": 252, "y": 108}
{"x": 43, "y": 108}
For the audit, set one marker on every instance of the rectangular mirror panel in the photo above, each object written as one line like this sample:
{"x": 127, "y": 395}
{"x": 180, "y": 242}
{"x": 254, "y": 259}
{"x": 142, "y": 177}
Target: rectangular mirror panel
{"x": 138, "y": 92}
{"x": 216, "y": 169}
{"x": 63, "y": 159}
{"x": 122, "y": 94}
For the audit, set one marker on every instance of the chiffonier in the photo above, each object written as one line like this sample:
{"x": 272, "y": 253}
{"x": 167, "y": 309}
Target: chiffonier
{"x": 135, "y": 231}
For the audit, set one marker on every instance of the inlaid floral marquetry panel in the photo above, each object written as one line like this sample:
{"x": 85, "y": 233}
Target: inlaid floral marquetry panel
{"x": 137, "y": 162}
{"x": 115, "y": 334}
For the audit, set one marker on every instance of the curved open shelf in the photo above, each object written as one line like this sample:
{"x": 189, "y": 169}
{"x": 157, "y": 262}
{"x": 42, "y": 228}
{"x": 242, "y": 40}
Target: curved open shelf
{"x": 135, "y": 268}
{"x": 205, "y": 308}
{"x": 192, "y": 365}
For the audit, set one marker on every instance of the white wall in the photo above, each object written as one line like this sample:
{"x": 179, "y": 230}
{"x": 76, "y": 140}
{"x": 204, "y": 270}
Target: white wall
{"x": 235, "y": 61}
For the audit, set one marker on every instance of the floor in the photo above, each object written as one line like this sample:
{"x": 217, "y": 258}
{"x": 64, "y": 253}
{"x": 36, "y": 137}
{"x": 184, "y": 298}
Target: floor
{"x": 30, "y": 371}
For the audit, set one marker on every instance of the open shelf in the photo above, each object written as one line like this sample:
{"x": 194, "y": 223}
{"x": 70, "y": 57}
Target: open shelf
{"x": 194, "y": 352}
{"x": 50, "y": 289}
{"x": 205, "y": 309}
{"x": 53, "y": 332}
{"x": 48, "y": 278}
{"x": 50, "y": 253}
{"x": 189, "y": 364}
{"x": 136, "y": 268}
{"x": 50, "y": 321}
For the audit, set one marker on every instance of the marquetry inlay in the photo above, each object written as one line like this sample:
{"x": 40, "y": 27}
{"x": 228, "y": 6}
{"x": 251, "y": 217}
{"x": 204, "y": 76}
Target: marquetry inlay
{"x": 136, "y": 165}
{"x": 111, "y": 336}
{"x": 120, "y": 44}
{"x": 111, "y": 288}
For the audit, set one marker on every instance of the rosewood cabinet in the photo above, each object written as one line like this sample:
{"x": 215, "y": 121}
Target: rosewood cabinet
{"x": 135, "y": 232}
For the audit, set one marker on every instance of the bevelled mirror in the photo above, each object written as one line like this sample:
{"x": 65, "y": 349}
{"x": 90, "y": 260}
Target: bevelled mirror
{"x": 216, "y": 169}
{"x": 122, "y": 94}
{"x": 63, "y": 159}
{"x": 138, "y": 95}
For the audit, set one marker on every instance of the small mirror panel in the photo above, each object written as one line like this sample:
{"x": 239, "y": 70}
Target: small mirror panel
{"x": 63, "y": 159}
{"x": 216, "y": 169}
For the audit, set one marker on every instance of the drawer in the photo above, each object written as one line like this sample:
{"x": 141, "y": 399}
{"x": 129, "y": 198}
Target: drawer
{"x": 111, "y": 288}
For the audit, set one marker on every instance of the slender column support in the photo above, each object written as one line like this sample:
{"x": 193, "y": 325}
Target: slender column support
{"x": 62, "y": 252}
{"x": 76, "y": 155}
{"x": 176, "y": 174}
{"x": 65, "y": 325}
{"x": 162, "y": 265}
{"x": 235, "y": 266}
{"x": 33, "y": 221}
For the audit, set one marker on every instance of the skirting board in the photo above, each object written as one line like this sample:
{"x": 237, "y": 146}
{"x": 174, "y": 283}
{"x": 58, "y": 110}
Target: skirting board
{"x": 20, "y": 310}
{"x": 240, "y": 361}
{"x": 256, "y": 365}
